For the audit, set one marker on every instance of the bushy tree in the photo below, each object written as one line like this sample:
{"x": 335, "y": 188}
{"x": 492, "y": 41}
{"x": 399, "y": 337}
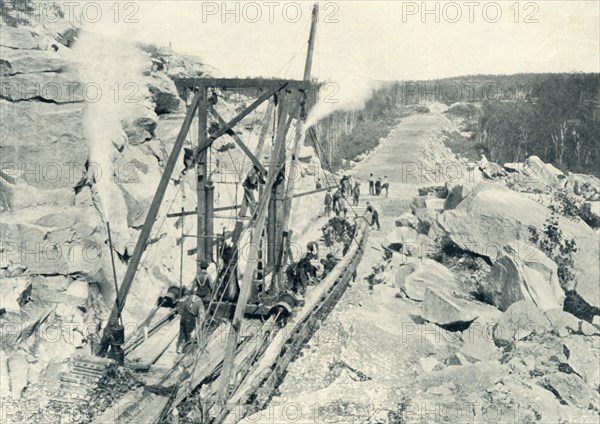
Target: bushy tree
{"x": 553, "y": 243}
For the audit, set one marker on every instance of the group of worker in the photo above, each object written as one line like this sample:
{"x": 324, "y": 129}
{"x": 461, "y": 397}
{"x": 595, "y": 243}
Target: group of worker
{"x": 309, "y": 270}
{"x": 376, "y": 186}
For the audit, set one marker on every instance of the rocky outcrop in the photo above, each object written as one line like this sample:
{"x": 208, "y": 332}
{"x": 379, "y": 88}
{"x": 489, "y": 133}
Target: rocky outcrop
{"x": 413, "y": 279}
{"x": 456, "y": 194}
{"x": 164, "y": 94}
{"x": 522, "y": 272}
{"x": 586, "y": 186}
{"x": 446, "y": 311}
{"x": 407, "y": 220}
{"x": 534, "y": 175}
{"x": 399, "y": 237}
{"x": 14, "y": 292}
{"x": 493, "y": 216}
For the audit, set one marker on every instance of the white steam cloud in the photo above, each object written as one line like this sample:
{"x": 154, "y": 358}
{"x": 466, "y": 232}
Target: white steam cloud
{"x": 342, "y": 94}
{"x": 110, "y": 70}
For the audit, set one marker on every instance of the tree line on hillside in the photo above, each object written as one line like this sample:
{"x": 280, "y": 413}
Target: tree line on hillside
{"x": 553, "y": 116}
{"x": 560, "y": 123}
{"x": 345, "y": 135}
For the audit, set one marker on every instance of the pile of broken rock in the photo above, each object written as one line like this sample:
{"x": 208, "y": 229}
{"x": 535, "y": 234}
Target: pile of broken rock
{"x": 514, "y": 321}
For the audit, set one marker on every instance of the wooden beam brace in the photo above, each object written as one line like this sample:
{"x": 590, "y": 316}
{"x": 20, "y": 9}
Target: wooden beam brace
{"x": 232, "y": 207}
{"x": 239, "y": 84}
{"x": 239, "y": 142}
{"x": 238, "y": 118}
{"x": 140, "y": 247}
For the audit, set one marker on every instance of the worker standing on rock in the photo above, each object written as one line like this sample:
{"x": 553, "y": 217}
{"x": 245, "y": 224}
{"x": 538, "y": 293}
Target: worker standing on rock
{"x": 191, "y": 312}
{"x": 374, "y": 215}
{"x": 371, "y": 184}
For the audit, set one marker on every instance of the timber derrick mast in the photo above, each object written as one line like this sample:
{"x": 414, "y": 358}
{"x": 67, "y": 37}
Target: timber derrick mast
{"x": 274, "y": 203}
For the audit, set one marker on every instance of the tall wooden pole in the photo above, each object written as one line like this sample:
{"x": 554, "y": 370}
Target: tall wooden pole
{"x": 311, "y": 42}
{"x": 201, "y": 177}
{"x": 293, "y": 172}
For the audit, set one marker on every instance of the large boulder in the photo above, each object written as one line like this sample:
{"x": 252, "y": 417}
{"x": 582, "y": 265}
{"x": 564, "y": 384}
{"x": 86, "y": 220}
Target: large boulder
{"x": 164, "y": 93}
{"x": 53, "y": 87}
{"x": 407, "y": 220}
{"x": 21, "y": 195}
{"x": 20, "y": 37}
{"x": 586, "y": 186}
{"x": 493, "y": 216}
{"x": 544, "y": 173}
{"x": 523, "y": 272}
{"x": 583, "y": 355}
{"x": 414, "y": 278}
{"x": 565, "y": 324}
{"x": 29, "y": 61}
{"x": 18, "y": 368}
{"x": 399, "y": 237}
{"x": 456, "y": 194}
{"x": 570, "y": 389}
{"x": 521, "y": 320}
{"x": 478, "y": 342}
{"x": 535, "y": 175}
{"x": 445, "y": 310}
{"x": 14, "y": 292}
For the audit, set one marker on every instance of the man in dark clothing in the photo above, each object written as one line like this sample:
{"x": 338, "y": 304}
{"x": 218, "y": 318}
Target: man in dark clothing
{"x": 191, "y": 312}
{"x": 355, "y": 194}
{"x": 337, "y": 224}
{"x": 328, "y": 264}
{"x": 328, "y": 200}
{"x": 371, "y": 184}
{"x": 385, "y": 185}
{"x": 343, "y": 185}
{"x": 214, "y": 98}
{"x": 250, "y": 184}
{"x": 301, "y": 273}
{"x": 378, "y": 186}
{"x": 337, "y": 196}
{"x": 374, "y": 215}
{"x": 204, "y": 282}
{"x": 327, "y": 235}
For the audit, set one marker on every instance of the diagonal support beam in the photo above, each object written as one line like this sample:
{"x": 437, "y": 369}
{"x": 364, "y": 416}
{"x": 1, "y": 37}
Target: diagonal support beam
{"x": 246, "y": 285}
{"x": 140, "y": 247}
{"x": 229, "y": 125}
{"x": 239, "y": 142}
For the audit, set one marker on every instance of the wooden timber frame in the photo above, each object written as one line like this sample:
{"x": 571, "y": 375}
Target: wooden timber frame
{"x": 284, "y": 91}
{"x": 260, "y": 360}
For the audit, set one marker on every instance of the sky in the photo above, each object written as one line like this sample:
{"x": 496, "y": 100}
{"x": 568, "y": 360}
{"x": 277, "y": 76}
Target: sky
{"x": 377, "y": 40}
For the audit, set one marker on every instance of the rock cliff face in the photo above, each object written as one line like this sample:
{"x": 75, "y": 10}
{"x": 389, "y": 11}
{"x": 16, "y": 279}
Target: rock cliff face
{"x": 84, "y": 142}
{"x": 53, "y": 221}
